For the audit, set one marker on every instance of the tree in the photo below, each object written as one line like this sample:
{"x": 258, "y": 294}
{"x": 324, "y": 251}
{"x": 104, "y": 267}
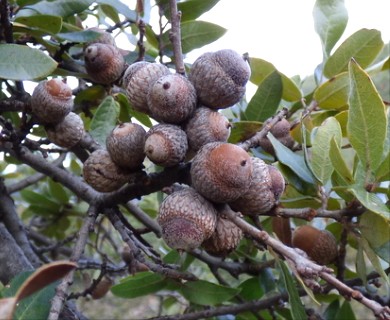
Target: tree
{"x": 334, "y": 158}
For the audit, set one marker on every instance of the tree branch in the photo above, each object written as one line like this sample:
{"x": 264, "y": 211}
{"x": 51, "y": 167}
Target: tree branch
{"x": 175, "y": 37}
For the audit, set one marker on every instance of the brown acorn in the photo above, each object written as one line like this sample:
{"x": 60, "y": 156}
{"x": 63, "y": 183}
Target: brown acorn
{"x": 282, "y": 228}
{"x": 172, "y": 99}
{"x": 263, "y": 192}
{"x": 125, "y": 145}
{"x": 186, "y": 219}
{"x": 102, "y": 288}
{"x": 206, "y": 125}
{"x": 281, "y": 131}
{"x": 103, "y": 174}
{"x": 220, "y": 78}
{"x": 166, "y": 145}
{"x": 221, "y": 172}
{"x": 320, "y": 245}
{"x": 224, "y": 239}
{"x": 103, "y": 37}
{"x": 68, "y": 132}
{"x": 51, "y": 101}
{"x": 137, "y": 80}
{"x": 104, "y": 63}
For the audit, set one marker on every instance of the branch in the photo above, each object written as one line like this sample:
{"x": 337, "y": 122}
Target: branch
{"x": 12, "y": 105}
{"x": 175, "y": 37}
{"x": 61, "y": 291}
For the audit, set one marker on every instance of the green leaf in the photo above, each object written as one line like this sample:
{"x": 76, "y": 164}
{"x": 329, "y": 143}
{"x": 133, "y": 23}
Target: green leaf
{"x": 46, "y": 23}
{"x": 196, "y": 34}
{"x": 79, "y": 36}
{"x": 345, "y": 312}
{"x": 206, "y": 293}
{"x": 104, "y": 120}
{"x": 297, "y": 308}
{"x": 364, "y": 45}
{"x": 266, "y": 100}
{"x": 291, "y": 159}
{"x": 330, "y": 20}
{"x": 128, "y": 111}
{"x": 338, "y": 161}
{"x": 321, "y": 164}
{"x": 383, "y": 171}
{"x": 193, "y": 9}
{"x": 361, "y": 268}
{"x": 331, "y": 311}
{"x": 380, "y": 239}
{"x": 58, "y": 192}
{"x": 372, "y": 256}
{"x": 367, "y": 121}
{"x": 121, "y": 8}
{"x": 139, "y": 285}
{"x": 291, "y": 92}
{"x": 371, "y": 201}
{"x": 243, "y": 130}
{"x": 251, "y": 289}
{"x": 24, "y": 63}
{"x": 333, "y": 94}
{"x": 35, "y": 198}
{"x": 61, "y": 8}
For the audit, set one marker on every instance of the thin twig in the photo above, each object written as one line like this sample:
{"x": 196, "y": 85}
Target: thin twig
{"x": 175, "y": 37}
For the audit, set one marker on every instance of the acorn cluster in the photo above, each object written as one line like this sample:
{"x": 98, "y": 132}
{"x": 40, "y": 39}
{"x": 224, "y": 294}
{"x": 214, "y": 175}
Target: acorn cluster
{"x": 189, "y": 128}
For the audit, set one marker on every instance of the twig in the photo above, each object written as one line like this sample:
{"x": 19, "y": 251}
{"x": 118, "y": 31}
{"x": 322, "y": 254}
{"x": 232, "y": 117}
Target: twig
{"x": 175, "y": 37}
{"x": 61, "y": 291}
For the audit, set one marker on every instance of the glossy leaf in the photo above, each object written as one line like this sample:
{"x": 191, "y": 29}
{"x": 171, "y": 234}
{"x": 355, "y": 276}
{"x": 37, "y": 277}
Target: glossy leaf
{"x": 266, "y": 100}
{"x": 371, "y": 201}
{"x": 333, "y": 94}
{"x": 330, "y": 20}
{"x": 104, "y": 120}
{"x": 61, "y": 8}
{"x": 367, "y": 121}
{"x": 193, "y": 9}
{"x": 338, "y": 161}
{"x": 251, "y": 289}
{"x": 243, "y": 130}
{"x": 364, "y": 45}
{"x": 291, "y": 92}
{"x": 380, "y": 239}
{"x": 24, "y": 63}
{"x": 206, "y": 293}
{"x": 46, "y": 23}
{"x": 293, "y": 160}
{"x": 139, "y": 285}
{"x": 297, "y": 308}
{"x": 121, "y": 8}
{"x": 321, "y": 164}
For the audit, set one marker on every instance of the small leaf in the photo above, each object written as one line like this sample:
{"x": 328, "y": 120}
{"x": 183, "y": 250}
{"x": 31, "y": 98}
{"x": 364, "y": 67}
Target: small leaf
{"x": 331, "y": 311}
{"x": 206, "y": 293}
{"x": 139, "y": 285}
{"x": 367, "y": 121}
{"x": 294, "y": 161}
{"x": 193, "y": 9}
{"x": 383, "y": 171}
{"x": 104, "y": 120}
{"x": 266, "y": 100}
{"x": 251, "y": 289}
{"x": 330, "y": 20}
{"x": 58, "y": 192}
{"x": 321, "y": 164}
{"x": 46, "y": 23}
{"x": 333, "y": 94}
{"x": 364, "y": 45}
{"x": 243, "y": 130}
{"x": 338, "y": 161}
{"x": 345, "y": 312}
{"x": 297, "y": 308}
{"x": 39, "y": 199}
{"x": 121, "y": 8}
{"x": 24, "y": 63}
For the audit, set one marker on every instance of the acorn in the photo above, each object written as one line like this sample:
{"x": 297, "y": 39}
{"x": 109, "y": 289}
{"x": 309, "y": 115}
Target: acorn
{"x": 51, "y": 101}
{"x": 137, "y": 80}
{"x": 221, "y": 172}
{"x": 264, "y": 190}
{"x": 281, "y": 131}
{"x": 320, "y": 245}
{"x": 125, "y": 145}
{"x": 220, "y": 78}
{"x": 205, "y": 126}
{"x": 224, "y": 239}
{"x": 103, "y": 37}
{"x": 104, "y": 63}
{"x": 103, "y": 174}
{"x": 187, "y": 219}
{"x": 172, "y": 99}
{"x": 102, "y": 288}
{"x": 166, "y": 145}
{"x": 68, "y": 132}
{"x": 281, "y": 227}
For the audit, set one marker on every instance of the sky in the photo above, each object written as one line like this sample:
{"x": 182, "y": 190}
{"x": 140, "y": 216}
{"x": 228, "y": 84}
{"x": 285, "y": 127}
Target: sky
{"x": 282, "y": 31}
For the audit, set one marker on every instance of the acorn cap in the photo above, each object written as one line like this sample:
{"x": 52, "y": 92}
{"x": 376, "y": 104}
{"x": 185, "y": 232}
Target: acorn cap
{"x": 51, "y": 101}
{"x": 320, "y": 245}
{"x": 125, "y": 145}
{"x": 172, "y": 99}
{"x": 206, "y": 125}
{"x": 68, "y": 132}
{"x": 221, "y": 172}
{"x": 104, "y": 37}
{"x": 220, "y": 78}
{"x": 281, "y": 131}
{"x": 224, "y": 239}
{"x": 166, "y": 145}
{"x": 102, "y": 174}
{"x": 137, "y": 80}
{"x": 186, "y": 219}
